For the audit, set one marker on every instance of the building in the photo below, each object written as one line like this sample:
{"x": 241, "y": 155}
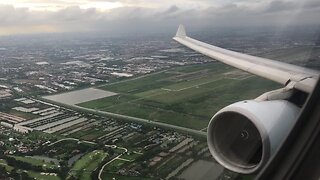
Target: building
{"x": 21, "y": 129}
{"x": 5, "y": 124}
{"x": 5, "y": 94}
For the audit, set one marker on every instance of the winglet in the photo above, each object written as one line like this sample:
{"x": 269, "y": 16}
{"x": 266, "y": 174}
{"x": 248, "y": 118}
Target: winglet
{"x": 181, "y": 32}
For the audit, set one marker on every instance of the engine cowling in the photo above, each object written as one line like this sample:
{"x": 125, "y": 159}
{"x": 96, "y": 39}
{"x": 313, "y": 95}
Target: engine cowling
{"x": 244, "y": 135}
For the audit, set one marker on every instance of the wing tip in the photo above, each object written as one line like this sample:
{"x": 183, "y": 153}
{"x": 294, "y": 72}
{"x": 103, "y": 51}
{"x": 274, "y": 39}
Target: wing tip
{"x": 181, "y": 32}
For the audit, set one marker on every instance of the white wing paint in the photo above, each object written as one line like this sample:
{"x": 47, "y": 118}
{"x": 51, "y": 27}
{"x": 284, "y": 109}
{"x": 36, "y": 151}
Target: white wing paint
{"x": 296, "y": 77}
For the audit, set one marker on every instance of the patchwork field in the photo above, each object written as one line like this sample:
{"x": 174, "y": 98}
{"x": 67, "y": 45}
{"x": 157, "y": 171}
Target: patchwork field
{"x": 79, "y": 96}
{"x": 202, "y": 170}
{"x": 107, "y": 175}
{"x": 186, "y": 96}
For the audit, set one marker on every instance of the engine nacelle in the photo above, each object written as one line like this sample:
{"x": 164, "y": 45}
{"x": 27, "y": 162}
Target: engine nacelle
{"x": 244, "y": 135}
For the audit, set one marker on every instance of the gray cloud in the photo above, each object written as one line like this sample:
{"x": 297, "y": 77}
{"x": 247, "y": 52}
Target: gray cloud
{"x": 172, "y": 9}
{"x": 312, "y": 4}
{"x": 278, "y": 5}
{"x": 144, "y": 19}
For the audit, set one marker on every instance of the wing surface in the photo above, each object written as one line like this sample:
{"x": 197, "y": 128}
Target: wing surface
{"x": 297, "y": 77}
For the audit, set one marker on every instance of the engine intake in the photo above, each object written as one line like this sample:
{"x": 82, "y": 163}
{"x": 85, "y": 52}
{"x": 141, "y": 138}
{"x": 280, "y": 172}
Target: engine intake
{"x": 244, "y": 135}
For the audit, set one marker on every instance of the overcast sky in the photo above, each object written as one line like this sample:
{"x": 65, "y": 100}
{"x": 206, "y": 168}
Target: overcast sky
{"x": 140, "y": 16}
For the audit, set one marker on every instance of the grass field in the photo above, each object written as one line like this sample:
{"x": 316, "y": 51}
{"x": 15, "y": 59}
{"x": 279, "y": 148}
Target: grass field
{"x": 63, "y": 149}
{"x": 83, "y": 168}
{"x": 295, "y": 54}
{"x": 5, "y": 165}
{"x": 114, "y": 166}
{"x": 107, "y": 176}
{"x": 39, "y": 176}
{"x": 33, "y": 174}
{"x": 24, "y": 115}
{"x": 88, "y": 134}
{"x": 131, "y": 156}
{"x": 35, "y": 162}
{"x": 170, "y": 165}
{"x": 185, "y": 96}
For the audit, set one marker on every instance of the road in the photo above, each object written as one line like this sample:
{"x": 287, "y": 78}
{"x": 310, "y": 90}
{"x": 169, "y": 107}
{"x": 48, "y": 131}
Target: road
{"x": 71, "y": 139}
{"x": 144, "y": 121}
{"x": 125, "y": 150}
{"x": 101, "y": 170}
{"x": 65, "y": 139}
{"x": 117, "y": 157}
{"x": 126, "y": 118}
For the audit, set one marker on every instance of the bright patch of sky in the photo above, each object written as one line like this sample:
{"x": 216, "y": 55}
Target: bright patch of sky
{"x": 51, "y": 5}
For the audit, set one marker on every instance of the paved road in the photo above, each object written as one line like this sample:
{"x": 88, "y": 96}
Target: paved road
{"x": 117, "y": 157}
{"x": 101, "y": 170}
{"x": 125, "y": 150}
{"x": 65, "y": 139}
{"x": 128, "y": 118}
{"x": 144, "y": 121}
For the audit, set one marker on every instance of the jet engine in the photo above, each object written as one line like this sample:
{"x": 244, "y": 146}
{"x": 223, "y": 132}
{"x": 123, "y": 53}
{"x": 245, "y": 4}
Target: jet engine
{"x": 244, "y": 135}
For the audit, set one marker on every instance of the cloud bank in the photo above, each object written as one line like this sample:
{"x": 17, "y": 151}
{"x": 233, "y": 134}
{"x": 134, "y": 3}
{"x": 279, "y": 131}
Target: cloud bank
{"x": 142, "y": 16}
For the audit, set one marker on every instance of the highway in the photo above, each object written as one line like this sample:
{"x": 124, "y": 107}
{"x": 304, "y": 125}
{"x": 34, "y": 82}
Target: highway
{"x": 198, "y": 133}
{"x": 145, "y": 121}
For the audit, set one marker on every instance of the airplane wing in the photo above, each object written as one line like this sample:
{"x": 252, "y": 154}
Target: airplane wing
{"x": 296, "y": 77}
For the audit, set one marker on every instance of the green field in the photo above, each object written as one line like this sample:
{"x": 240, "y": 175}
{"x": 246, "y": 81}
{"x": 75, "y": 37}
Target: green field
{"x": 295, "y": 54}
{"x": 184, "y": 96}
{"x": 35, "y": 162}
{"x": 24, "y": 115}
{"x": 114, "y": 166}
{"x": 171, "y": 164}
{"x": 83, "y": 168}
{"x": 33, "y": 174}
{"x": 107, "y": 176}
{"x": 40, "y": 176}
{"x": 88, "y": 134}
{"x": 5, "y": 165}
{"x": 131, "y": 156}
